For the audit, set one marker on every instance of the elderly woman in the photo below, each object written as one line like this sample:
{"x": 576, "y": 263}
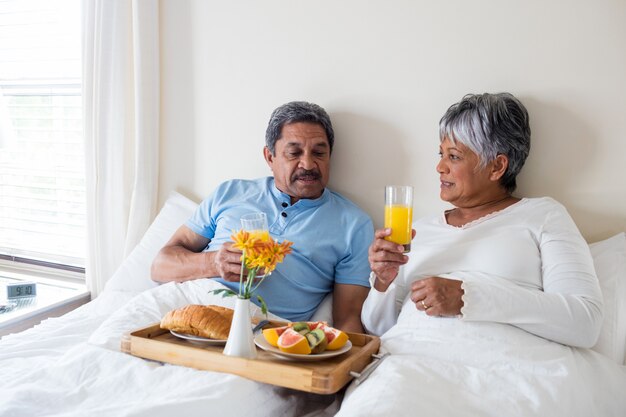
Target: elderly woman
{"x": 487, "y": 314}
{"x": 493, "y": 257}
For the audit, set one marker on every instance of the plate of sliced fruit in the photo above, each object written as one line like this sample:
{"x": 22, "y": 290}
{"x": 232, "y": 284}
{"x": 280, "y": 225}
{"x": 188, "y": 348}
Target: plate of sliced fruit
{"x": 304, "y": 341}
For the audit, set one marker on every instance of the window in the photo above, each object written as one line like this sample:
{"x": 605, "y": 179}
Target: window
{"x": 42, "y": 173}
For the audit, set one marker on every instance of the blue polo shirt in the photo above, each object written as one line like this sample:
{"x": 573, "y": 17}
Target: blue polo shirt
{"x": 330, "y": 238}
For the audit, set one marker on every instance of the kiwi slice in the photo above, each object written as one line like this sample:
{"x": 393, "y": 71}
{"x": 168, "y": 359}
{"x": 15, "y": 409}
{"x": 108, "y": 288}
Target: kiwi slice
{"x": 301, "y": 327}
{"x": 317, "y": 340}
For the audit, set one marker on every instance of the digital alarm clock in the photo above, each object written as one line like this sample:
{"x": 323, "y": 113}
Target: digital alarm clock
{"x": 21, "y": 289}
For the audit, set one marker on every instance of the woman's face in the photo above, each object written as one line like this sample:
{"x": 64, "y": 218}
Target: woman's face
{"x": 463, "y": 183}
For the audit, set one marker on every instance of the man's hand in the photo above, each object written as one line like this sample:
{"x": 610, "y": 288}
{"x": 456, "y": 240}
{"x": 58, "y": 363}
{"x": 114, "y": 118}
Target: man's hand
{"x": 385, "y": 259}
{"x": 227, "y": 262}
{"x": 438, "y": 296}
{"x": 183, "y": 258}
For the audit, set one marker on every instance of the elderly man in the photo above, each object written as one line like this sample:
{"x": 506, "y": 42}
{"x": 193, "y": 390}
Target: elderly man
{"x": 329, "y": 232}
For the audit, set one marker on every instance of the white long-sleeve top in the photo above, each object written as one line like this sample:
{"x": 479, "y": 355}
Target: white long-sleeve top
{"x": 526, "y": 265}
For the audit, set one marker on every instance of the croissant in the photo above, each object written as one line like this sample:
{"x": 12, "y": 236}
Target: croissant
{"x": 211, "y": 321}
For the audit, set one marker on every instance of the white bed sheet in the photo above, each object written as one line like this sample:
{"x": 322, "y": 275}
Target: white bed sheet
{"x": 449, "y": 367}
{"x": 72, "y": 366}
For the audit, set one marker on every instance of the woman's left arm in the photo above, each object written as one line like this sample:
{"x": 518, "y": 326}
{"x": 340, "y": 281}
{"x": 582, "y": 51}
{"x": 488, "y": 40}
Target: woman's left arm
{"x": 568, "y": 310}
{"x": 570, "y": 281}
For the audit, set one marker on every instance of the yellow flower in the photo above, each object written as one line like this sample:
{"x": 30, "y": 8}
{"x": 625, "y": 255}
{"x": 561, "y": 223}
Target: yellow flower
{"x": 270, "y": 254}
{"x": 282, "y": 249}
{"x": 261, "y": 259}
{"x": 243, "y": 240}
{"x": 260, "y": 252}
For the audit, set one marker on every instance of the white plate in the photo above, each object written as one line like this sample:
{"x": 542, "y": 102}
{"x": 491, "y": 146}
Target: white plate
{"x": 198, "y": 340}
{"x": 260, "y": 341}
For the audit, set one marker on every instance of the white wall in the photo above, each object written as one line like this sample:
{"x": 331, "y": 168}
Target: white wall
{"x": 386, "y": 71}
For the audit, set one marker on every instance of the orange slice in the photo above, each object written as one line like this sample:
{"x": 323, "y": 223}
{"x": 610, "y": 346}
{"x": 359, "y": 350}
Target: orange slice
{"x": 336, "y": 338}
{"x": 293, "y": 342}
{"x": 272, "y": 335}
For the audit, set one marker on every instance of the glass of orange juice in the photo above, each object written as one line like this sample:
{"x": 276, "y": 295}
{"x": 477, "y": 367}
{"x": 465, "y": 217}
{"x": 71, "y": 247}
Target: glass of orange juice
{"x": 256, "y": 224}
{"x": 399, "y": 214}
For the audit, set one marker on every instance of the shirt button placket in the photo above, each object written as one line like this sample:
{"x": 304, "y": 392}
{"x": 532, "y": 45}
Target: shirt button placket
{"x": 283, "y": 219}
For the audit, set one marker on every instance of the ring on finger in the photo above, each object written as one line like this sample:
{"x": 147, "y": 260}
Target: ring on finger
{"x": 424, "y": 305}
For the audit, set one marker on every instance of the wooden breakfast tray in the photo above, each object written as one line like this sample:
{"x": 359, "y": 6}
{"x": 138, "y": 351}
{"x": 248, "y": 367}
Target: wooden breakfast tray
{"x": 320, "y": 377}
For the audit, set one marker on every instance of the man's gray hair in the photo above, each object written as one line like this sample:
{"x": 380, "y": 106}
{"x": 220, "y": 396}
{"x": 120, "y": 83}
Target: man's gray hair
{"x": 294, "y": 112}
{"x": 490, "y": 125}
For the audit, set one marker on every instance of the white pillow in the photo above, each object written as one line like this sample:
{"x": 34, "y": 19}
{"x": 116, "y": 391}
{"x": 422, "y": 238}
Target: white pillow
{"x": 324, "y": 311}
{"x": 134, "y": 273}
{"x": 609, "y": 258}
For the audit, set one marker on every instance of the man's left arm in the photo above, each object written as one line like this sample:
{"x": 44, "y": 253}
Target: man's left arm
{"x": 352, "y": 275}
{"x": 348, "y": 301}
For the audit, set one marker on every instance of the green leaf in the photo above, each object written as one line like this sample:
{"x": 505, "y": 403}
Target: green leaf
{"x": 263, "y": 305}
{"x": 226, "y": 292}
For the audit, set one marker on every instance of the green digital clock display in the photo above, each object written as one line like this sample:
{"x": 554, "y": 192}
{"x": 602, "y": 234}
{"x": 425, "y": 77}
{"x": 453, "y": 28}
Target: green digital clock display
{"x": 21, "y": 289}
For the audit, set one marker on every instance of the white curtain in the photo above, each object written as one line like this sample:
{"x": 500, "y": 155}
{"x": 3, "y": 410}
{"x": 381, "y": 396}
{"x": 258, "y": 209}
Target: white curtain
{"x": 6, "y": 133}
{"x": 121, "y": 123}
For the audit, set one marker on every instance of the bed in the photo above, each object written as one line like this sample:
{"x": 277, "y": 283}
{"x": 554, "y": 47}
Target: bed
{"x": 73, "y": 366}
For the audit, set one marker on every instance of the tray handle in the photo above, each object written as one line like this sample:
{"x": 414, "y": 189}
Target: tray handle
{"x": 362, "y": 376}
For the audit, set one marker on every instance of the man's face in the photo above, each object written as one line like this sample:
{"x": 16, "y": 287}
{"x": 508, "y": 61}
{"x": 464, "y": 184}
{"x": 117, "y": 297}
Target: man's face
{"x": 301, "y": 164}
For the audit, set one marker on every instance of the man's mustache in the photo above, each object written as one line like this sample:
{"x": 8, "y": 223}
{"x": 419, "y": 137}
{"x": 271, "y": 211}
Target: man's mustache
{"x": 306, "y": 174}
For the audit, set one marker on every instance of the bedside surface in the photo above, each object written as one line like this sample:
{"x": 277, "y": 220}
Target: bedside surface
{"x": 53, "y": 298}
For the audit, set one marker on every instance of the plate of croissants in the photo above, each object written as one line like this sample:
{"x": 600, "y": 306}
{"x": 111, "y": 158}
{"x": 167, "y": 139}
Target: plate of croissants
{"x": 199, "y": 324}
{"x": 197, "y": 340}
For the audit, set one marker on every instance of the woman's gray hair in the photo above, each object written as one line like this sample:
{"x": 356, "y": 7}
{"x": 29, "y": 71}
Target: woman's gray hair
{"x": 490, "y": 125}
{"x": 294, "y": 112}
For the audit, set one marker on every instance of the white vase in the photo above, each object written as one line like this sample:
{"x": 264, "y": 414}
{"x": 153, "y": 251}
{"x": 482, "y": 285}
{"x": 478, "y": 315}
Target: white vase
{"x": 240, "y": 339}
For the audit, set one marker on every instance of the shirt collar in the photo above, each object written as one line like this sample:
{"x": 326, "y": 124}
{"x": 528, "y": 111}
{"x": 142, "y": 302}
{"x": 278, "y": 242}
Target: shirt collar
{"x": 303, "y": 202}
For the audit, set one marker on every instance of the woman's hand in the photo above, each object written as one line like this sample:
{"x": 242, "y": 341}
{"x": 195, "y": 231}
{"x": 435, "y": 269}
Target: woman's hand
{"x": 438, "y": 296}
{"x": 385, "y": 259}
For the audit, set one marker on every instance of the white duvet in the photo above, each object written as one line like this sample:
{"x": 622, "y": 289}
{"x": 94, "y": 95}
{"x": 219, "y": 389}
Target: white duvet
{"x": 72, "y": 366}
{"x": 448, "y": 367}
